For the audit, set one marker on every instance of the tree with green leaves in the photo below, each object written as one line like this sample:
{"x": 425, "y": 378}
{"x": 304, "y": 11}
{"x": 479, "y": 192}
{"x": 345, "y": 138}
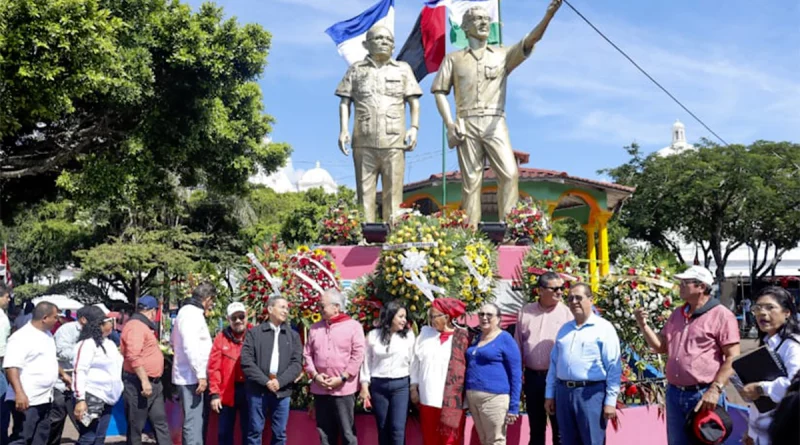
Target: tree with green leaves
{"x": 719, "y": 197}
{"x": 43, "y": 238}
{"x": 140, "y": 260}
{"x": 132, "y": 96}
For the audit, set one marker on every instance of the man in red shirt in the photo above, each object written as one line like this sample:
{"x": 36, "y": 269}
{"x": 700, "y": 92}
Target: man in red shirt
{"x": 225, "y": 376}
{"x": 701, "y": 339}
{"x": 142, "y": 370}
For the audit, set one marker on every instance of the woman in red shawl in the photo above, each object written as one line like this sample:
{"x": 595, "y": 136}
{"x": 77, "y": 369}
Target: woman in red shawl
{"x": 437, "y": 374}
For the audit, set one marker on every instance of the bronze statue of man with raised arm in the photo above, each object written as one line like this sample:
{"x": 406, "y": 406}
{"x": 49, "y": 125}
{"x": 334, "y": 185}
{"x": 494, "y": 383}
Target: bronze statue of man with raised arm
{"x": 478, "y": 74}
{"x": 379, "y": 87}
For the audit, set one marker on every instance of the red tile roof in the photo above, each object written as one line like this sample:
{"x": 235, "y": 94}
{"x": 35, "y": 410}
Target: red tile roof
{"x": 525, "y": 173}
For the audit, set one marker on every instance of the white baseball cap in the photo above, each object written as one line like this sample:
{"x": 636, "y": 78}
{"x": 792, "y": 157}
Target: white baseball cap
{"x": 698, "y": 273}
{"x": 236, "y": 307}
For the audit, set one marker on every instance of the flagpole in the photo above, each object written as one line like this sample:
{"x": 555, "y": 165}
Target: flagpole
{"x": 499, "y": 23}
{"x": 444, "y": 167}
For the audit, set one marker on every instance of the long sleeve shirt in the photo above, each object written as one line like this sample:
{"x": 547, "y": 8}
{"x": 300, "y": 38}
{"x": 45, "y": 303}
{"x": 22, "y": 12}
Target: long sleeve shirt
{"x": 429, "y": 366}
{"x": 5, "y": 332}
{"x": 334, "y": 349}
{"x": 789, "y": 352}
{"x": 387, "y": 361}
{"x": 589, "y": 352}
{"x": 496, "y": 368}
{"x": 192, "y": 343}
{"x": 98, "y": 371}
{"x": 536, "y": 333}
{"x": 66, "y": 338}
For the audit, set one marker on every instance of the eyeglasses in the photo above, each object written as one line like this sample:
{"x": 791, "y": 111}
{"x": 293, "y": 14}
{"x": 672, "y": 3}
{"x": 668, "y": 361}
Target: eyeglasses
{"x": 554, "y": 288}
{"x": 756, "y": 308}
{"x": 577, "y": 298}
{"x": 485, "y": 315}
{"x": 438, "y": 315}
{"x": 688, "y": 282}
{"x": 238, "y": 317}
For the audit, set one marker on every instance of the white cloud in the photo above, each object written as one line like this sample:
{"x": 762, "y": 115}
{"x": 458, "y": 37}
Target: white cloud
{"x": 579, "y": 79}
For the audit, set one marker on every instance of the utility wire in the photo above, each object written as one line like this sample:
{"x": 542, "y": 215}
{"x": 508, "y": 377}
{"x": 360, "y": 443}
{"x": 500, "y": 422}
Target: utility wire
{"x": 645, "y": 73}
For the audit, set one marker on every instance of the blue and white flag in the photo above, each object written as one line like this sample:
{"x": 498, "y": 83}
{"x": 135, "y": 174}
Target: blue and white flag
{"x": 351, "y": 34}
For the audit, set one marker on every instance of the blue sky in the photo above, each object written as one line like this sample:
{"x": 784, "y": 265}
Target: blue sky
{"x": 576, "y": 102}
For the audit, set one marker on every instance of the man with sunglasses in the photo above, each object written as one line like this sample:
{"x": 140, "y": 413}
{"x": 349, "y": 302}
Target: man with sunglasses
{"x": 537, "y": 326}
{"x": 225, "y": 375}
{"x": 700, "y": 339}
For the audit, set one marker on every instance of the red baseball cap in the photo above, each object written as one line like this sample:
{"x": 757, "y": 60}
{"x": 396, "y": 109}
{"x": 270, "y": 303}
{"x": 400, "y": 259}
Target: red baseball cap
{"x": 710, "y": 427}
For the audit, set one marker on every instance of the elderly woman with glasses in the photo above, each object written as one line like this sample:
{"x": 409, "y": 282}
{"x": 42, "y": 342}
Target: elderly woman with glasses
{"x": 437, "y": 374}
{"x": 494, "y": 378}
{"x": 776, "y": 317}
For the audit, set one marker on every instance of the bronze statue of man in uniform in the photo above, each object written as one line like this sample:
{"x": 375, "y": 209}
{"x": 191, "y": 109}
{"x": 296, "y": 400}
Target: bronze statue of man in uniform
{"x": 477, "y": 74}
{"x": 379, "y": 87}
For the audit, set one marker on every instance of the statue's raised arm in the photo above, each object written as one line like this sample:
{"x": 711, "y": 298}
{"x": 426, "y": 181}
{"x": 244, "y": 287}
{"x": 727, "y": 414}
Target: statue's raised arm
{"x": 477, "y": 76}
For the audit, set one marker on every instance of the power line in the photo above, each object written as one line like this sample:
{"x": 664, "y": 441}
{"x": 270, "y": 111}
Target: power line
{"x": 645, "y": 73}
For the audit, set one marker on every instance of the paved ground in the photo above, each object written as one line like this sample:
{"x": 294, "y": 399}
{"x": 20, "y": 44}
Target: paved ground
{"x": 70, "y": 435}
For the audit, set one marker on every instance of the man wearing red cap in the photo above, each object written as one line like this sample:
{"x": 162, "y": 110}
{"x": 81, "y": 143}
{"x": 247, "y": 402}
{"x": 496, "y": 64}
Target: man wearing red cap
{"x": 437, "y": 373}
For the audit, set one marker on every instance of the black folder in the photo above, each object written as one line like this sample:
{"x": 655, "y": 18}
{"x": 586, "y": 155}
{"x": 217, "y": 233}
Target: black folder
{"x": 760, "y": 365}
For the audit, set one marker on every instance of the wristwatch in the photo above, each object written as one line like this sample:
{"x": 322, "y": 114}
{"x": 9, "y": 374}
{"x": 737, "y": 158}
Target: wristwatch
{"x": 720, "y": 387}
{"x": 344, "y": 379}
{"x": 760, "y": 389}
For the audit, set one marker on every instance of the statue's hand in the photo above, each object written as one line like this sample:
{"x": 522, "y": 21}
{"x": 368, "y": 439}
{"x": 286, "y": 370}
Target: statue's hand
{"x": 411, "y": 138}
{"x": 454, "y": 135}
{"x": 554, "y": 5}
{"x": 344, "y": 139}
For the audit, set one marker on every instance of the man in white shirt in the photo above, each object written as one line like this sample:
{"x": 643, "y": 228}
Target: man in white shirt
{"x": 192, "y": 343}
{"x": 66, "y": 337}
{"x": 32, "y": 369}
{"x": 5, "y": 331}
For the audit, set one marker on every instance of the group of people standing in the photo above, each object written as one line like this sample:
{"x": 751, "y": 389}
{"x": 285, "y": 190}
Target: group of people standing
{"x": 563, "y": 356}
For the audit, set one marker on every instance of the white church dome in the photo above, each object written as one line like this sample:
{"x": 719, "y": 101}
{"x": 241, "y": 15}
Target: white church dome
{"x": 317, "y": 177}
{"x": 679, "y": 143}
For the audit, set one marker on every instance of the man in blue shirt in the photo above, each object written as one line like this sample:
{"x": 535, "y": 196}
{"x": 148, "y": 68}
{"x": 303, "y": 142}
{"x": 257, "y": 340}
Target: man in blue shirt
{"x": 584, "y": 375}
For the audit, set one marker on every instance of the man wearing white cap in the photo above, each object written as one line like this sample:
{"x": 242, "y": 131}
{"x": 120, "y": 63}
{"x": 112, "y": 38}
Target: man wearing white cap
{"x": 700, "y": 339}
{"x": 225, "y": 376}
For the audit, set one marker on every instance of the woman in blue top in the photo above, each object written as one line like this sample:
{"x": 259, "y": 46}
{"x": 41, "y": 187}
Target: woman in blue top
{"x": 493, "y": 379}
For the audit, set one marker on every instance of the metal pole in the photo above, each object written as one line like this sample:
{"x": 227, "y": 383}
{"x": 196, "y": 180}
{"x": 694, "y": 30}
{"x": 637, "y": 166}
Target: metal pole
{"x": 499, "y": 23}
{"x": 444, "y": 166}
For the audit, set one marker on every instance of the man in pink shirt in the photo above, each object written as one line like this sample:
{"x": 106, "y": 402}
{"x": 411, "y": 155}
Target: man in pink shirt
{"x": 701, "y": 339}
{"x": 537, "y": 326}
{"x": 333, "y": 354}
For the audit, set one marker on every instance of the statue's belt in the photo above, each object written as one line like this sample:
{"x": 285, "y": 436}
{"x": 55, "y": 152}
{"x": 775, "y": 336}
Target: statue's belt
{"x": 481, "y": 112}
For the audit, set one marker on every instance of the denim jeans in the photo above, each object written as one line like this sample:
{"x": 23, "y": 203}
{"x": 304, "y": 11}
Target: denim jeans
{"x": 279, "y": 417}
{"x": 95, "y": 433}
{"x": 5, "y": 413}
{"x": 227, "y": 417}
{"x": 390, "y": 404}
{"x": 679, "y": 405}
{"x": 580, "y": 414}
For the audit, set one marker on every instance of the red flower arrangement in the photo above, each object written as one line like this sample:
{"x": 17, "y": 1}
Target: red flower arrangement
{"x": 309, "y": 273}
{"x": 256, "y": 289}
{"x": 365, "y": 306}
{"x": 340, "y": 226}
{"x": 528, "y": 220}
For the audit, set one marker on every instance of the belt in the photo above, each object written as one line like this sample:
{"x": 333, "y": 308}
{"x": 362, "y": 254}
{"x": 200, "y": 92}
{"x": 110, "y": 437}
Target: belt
{"x": 536, "y": 372}
{"x": 692, "y": 388}
{"x": 132, "y": 376}
{"x": 481, "y": 112}
{"x": 579, "y": 384}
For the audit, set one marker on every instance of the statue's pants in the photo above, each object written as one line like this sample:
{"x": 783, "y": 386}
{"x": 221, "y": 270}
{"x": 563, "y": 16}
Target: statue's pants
{"x": 390, "y": 164}
{"x": 487, "y": 138}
